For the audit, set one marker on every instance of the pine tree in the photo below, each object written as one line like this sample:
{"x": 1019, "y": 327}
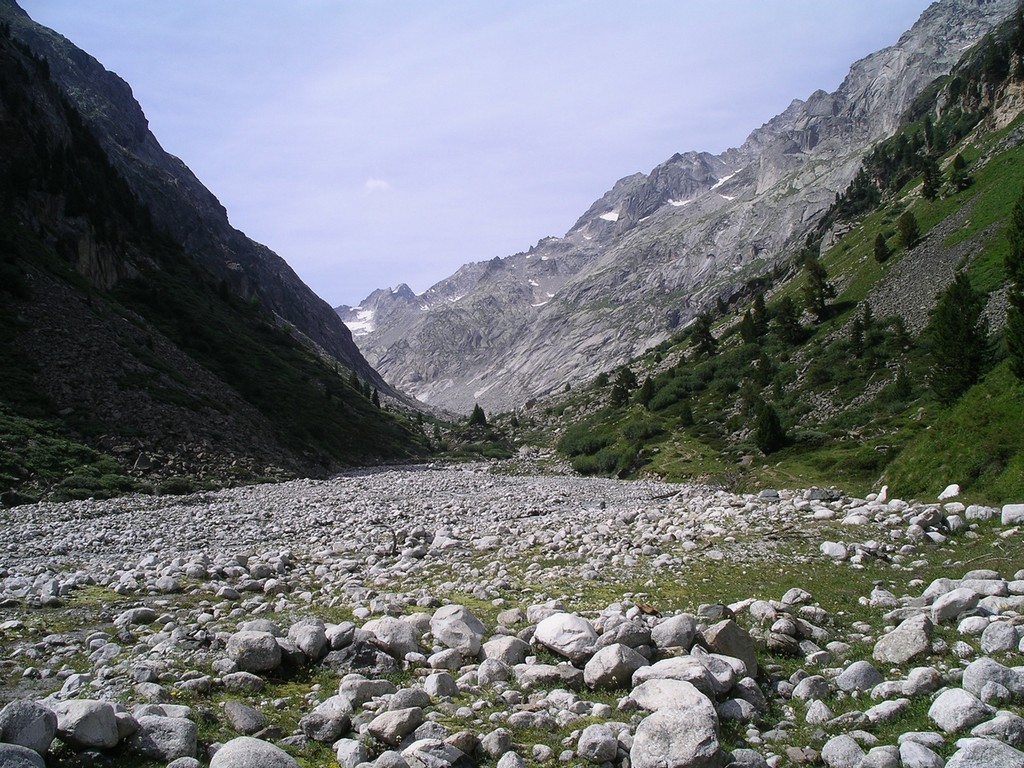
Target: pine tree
{"x": 787, "y": 321}
{"x": 910, "y": 233}
{"x": 882, "y": 252}
{"x": 1015, "y": 273}
{"x": 748, "y": 331}
{"x": 769, "y": 435}
{"x": 375, "y": 397}
{"x": 626, "y": 378}
{"x": 957, "y": 340}
{"x": 619, "y": 396}
{"x": 702, "y": 340}
{"x": 959, "y": 180}
{"x": 477, "y": 418}
{"x": 932, "y": 179}
{"x": 817, "y": 289}
{"x": 760, "y": 315}
{"x": 646, "y": 392}
{"x": 857, "y": 337}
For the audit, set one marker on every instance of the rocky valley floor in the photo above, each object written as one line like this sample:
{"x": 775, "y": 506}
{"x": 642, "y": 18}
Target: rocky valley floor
{"x": 437, "y": 616}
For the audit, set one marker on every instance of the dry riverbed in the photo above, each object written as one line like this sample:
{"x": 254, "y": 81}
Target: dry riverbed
{"x": 436, "y": 616}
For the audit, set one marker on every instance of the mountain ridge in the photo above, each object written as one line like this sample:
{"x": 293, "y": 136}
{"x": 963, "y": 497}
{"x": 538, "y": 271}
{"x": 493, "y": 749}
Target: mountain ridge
{"x": 657, "y": 248}
{"x": 179, "y": 202}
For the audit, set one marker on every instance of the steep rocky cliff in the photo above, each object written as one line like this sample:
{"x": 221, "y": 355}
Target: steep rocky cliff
{"x": 177, "y": 200}
{"x": 657, "y": 247}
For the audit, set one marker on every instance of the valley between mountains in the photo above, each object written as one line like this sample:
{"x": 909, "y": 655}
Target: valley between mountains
{"x": 730, "y": 474}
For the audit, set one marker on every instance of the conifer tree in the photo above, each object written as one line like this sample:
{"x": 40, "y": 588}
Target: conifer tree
{"x": 932, "y": 178}
{"x": 1015, "y": 273}
{"x": 959, "y": 180}
{"x": 787, "y": 321}
{"x": 957, "y": 341}
{"x": 882, "y": 252}
{"x": 748, "y": 331}
{"x": 478, "y": 418}
{"x": 817, "y": 289}
{"x": 908, "y": 229}
{"x": 646, "y": 392}
{"x": 375, "y": 397}
{"x": 769, "y": 435}
{"x": 760, "y": 316}
{"x": 702, "y": 340}
{"x": 857, "y": 337}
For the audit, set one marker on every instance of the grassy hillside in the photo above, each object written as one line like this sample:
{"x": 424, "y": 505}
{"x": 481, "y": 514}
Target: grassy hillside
{"x": 836, "y": 377}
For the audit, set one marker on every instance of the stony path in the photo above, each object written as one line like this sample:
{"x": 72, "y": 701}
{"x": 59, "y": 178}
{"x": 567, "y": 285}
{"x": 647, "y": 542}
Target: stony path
{"x": 451, "y": 616}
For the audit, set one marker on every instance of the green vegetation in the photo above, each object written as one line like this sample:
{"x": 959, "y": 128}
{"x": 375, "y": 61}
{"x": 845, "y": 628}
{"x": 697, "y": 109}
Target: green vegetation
{"x": 812, "y": 386}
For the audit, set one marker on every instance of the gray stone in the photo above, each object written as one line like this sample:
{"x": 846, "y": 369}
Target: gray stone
{"x": 955, "y": 709}
{"x": 164, "y": 738}
{"x": 1006, "y": 726}
{"x": 348, "y": 752}
{"x": 17, "y": 756}
{"x": 434, "y": 753}
{"x": 247, "y": 752}
{"x": 999, "y": 637}
{"x": 393, "y": 726}
{"x": 135, "y": 617}
{"x": 653, "y": 695}
{"x": 28, "y": 724}
{"x": 612, "y": 666}
{"x": 497, "y": 742}
{"x": 395, "y": 636}
{"x": 737, "y": 709}
{"x": 811, "y": 687}
{"x": 568, "y": 635}
{"x": 87, "y": 724}
{"x": 1012, "y": 514}
{"x": 730, "y": 639}
{"x": 506, "y": 648}
{"x": 859, "y": 676}
{"x": 244, "y": 719}
{"x": 985, "y": 670}
{"x": 390, "y": 759}
{"x": 254, "y": 651}
{"x": 915, "y": 755}
{"x": 952, "y": 605}
{"x": 492, "y": 671}
{"x": 746, "y": 758}
{"x": 324, "y": 728}
{"x": 242, "y": 682}
{"x": 881, "y": 757}
{"x": 685, "y": 668}
{"x": 675, "y": 631}
{"x": 310, "y": 635}
{"x": 911, "y": 638}
{"x": 410, "y": 697}
{"x": 511, "y": 760}
{"x": 842, "y": 752}
{"x": 597, "y": 744}
{"x": 440, "y": 685}
{"x": 676, "y": 738}
{"x": 973, "y": 753}
{"x": 355, "y": 690}
{"x": 456, "y": 627}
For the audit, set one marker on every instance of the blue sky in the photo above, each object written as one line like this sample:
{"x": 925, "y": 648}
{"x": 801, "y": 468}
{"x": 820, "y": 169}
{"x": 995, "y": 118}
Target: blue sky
{"x": 376, "y": 143}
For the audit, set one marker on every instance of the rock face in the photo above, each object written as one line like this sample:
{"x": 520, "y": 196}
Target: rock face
{"x": 178, "y": 200}
{"x": 656, "y": 249}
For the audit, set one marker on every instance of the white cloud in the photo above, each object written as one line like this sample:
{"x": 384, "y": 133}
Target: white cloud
{"x": 376, "y": 185}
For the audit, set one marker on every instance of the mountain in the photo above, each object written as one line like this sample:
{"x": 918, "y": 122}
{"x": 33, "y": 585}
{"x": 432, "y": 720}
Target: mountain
{"x": 886, "y": 351}
{"x": 657, "y": 248}
{"x": 178, "y": 201}
{"x": 127, "y": 358}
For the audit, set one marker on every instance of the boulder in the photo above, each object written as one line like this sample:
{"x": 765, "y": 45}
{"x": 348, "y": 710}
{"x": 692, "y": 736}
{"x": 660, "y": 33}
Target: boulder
{"x": 955, "y": 709}
{"x": 87, "y": 724}
{"x": 434, "y": 753}
{"x": 730, "y": 639}
{"x": 28, "y": 724}
{"x": 972, "y": 753}
{"x": 456, "y": 627}
{"x": 677, "y": 738}
{"x": 597, "y": 744}
{"x": 675, "y": 631}
{"x": 395, "y": 636}
{"x": 567, "y": 635}
{"x": 612, "y": 667}
{"x": 247, "y": 752}
{"x": 859, "y": 676}
{"x": 17, "y": 756}
{"x": 911, "y": 638}
{"x": 164, "y": 738}
{"x": 254, "y": 651}
{"x": 654, "y": 695}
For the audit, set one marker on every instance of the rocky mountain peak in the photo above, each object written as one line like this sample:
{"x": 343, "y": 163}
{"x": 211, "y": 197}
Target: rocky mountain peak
{"x": 658, "y": 247}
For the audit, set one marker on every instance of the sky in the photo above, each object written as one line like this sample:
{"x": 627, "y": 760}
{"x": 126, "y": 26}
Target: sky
{"x": 377, "y": 142}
